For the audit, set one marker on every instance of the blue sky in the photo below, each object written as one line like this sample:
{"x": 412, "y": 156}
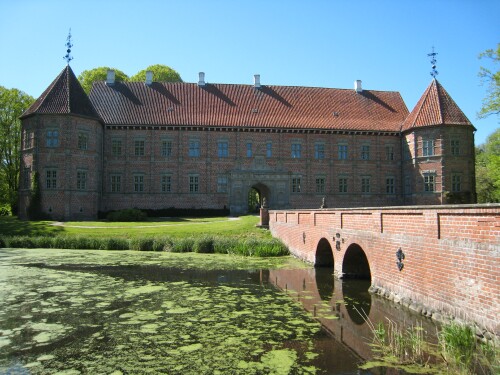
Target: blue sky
{"x": 297, "y": 43}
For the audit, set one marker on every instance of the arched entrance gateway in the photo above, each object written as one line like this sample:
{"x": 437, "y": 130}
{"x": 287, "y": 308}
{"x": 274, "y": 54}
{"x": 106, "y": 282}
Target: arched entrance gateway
{"x": 257, "y": 193}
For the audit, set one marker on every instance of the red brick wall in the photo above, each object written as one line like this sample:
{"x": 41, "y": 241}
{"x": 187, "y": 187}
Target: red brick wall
{"x": 451, "y": 263}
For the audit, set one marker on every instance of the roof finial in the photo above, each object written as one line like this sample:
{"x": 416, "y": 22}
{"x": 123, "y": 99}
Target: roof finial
{"x": 68, "y": 45}
{"x": 432, "y": 55}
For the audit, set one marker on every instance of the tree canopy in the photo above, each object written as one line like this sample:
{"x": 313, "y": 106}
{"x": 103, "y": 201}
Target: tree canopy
{"x": 488, "y": 170}
{"x": 491, "y": 103}
{"x": 161, "y": 73}
{"x": 87, "y": 77}
{"x": 13, "y": 103}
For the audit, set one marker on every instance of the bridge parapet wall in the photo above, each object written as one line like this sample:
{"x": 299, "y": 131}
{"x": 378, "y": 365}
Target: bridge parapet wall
{"x": 451, "y": 262}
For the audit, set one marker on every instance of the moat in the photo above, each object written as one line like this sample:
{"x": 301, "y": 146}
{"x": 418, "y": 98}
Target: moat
{"x": 87, "y": 312}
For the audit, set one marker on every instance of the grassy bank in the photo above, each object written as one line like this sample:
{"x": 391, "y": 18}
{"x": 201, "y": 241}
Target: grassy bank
{"x": 174, "y": 227}
{"x": 202, "y": 235}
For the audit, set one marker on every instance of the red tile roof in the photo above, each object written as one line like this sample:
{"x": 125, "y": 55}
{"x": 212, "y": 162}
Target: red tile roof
{"x": 227, "y": 105}
{"x": 435, "y": 107}
{"x": 65, "y": 95}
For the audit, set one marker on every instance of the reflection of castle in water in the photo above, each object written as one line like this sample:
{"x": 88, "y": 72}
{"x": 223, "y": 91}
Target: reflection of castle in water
{"x": 340, "y": 304}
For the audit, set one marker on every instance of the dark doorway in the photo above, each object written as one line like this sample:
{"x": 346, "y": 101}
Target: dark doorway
{"x": 253, "y": 201}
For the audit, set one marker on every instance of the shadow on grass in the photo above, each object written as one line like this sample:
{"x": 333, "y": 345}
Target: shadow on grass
{"x": 12, "y": 226}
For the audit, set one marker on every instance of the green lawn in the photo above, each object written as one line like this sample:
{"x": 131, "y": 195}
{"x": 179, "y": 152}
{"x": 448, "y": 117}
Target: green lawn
{"x": 243, "y": 226}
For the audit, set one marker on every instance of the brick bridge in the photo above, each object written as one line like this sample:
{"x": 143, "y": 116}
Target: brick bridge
{"x": 442, "y": 260}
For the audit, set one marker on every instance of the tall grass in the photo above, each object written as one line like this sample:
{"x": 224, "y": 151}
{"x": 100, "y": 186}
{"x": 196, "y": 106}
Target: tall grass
{"x": 196, "y": 243}
{"x": 458, "y": 352}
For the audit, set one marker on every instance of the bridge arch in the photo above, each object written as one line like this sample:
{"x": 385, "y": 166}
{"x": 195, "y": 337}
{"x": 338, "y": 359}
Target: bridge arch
{"x": 355, "y": 263}
{"x": 324, "y": 254}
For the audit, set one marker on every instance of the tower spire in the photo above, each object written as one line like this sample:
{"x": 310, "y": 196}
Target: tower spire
{"x": 68, "y": 45}
{"x": 432, "y": 55}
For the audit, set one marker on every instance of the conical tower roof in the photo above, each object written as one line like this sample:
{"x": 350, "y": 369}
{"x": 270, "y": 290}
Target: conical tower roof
{"x": 435, "y": 108}
{"x": 65, "y": 95}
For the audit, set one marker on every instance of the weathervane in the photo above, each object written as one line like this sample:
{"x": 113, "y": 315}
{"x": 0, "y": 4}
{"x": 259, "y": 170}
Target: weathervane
{"x": 68, "y": 45}
{"x": 432, "y": 55}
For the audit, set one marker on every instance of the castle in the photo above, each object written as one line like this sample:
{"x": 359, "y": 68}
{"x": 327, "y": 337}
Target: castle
{"x": 156, "y": 145}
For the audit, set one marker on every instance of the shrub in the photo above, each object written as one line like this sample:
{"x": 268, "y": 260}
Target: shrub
{"x": 2, "y": 242}
{"x": 458, "y": 343}
{"x": 21, "y": 242}
{"x": 43, "y": 242}
{"x": 131, "y": 214}
{"x": 204, "y": 244}
{"x": 5, "y": 210}
{"x": 183, "y": 245}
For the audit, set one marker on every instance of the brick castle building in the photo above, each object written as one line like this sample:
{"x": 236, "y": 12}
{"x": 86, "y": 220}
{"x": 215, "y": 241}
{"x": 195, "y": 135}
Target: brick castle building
{"x": 157, "y": 145}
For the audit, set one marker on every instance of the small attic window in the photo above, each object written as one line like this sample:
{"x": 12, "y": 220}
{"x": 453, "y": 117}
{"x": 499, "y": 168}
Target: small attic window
{"x": 336, "y": 114}
{"x": 170, "y": 109}
{"x": 255, "y": 110}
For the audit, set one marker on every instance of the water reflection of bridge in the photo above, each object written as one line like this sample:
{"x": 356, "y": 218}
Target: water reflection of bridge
{"x": 336, "y": 304}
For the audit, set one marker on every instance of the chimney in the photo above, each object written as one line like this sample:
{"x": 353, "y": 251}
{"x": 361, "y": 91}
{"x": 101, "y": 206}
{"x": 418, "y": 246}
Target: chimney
{"x": 201, "y": 79}
{"x": 110, "y": 78}
{"x": 149, "y": 77}
{"x": 256, "y": 81}
{"x": 357, "y": 86}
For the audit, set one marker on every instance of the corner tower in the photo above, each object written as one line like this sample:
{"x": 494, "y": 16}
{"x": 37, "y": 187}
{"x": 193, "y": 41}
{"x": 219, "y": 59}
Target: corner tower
{"x": 62, "y": 144}
{"x": 438, "y": 151}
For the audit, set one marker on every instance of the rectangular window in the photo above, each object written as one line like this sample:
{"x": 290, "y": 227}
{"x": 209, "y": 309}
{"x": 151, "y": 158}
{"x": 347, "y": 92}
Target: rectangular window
{"x": 222, "y": 149}
{"x": 365, "y": 152}
{"x": 456, "y": 183}
{"x": 249, "y": 149}
{"x": 138, "y": 183}
{"x": 342, "y": 152}
{"x": 166, "y": 184}
{"x": 52, "y": 138}
{"x": 269, "y": 149}
{"x": 139, "y": 147}
{"x": 194, "y": 149}
{"x": 81, "y": 180}
{"x": 27, "y": 139}
{"x": 27, "y": 177}
{"x": 342, "y": 185}
{"x": 116, "y": 183}
{"x": 455, "y": 147}
{"x": 319, "y": 151}
{"x": 427, "y": 147}
{"x": 51, "y": 179}
{"x": 83, "y": 141}
{"x": 221, "y": 184}
{"x": 389, "y": 185}
{"x": 296, "y": 150}
{"x": 320, "y": 185}
{"x": 389, "y": 152}
{"x": 296, "y": 185}
{"x": 194, "y": 184}
{"x": 429, "y": 183}
{"x": 166, "y": 149}
{"x": 116, "y": 147}
{"x": 365, "y": 185}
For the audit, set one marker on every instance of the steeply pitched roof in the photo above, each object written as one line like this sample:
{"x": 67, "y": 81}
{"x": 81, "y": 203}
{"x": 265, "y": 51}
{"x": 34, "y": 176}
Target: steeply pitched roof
{"x": 65, "y": 95}
{"x": 435, "y": 107}
{"x": 227, "y": 105}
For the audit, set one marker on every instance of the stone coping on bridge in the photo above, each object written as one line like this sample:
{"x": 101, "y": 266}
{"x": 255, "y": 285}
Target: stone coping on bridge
{"x": 396, "y": 208}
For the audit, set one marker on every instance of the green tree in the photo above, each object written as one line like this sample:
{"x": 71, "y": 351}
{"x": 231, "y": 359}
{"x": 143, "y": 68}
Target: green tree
{"x": 491, "y": 103}
{"x": 488, "y": 169}
{"x": 161, "y": 73}
{"x": 88, "y": 77}
{"x": 12, "y": 104}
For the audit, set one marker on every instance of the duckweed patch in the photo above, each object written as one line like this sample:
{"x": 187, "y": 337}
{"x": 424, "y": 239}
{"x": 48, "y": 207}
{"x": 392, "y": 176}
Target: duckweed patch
{"x": 69, "y": 312}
